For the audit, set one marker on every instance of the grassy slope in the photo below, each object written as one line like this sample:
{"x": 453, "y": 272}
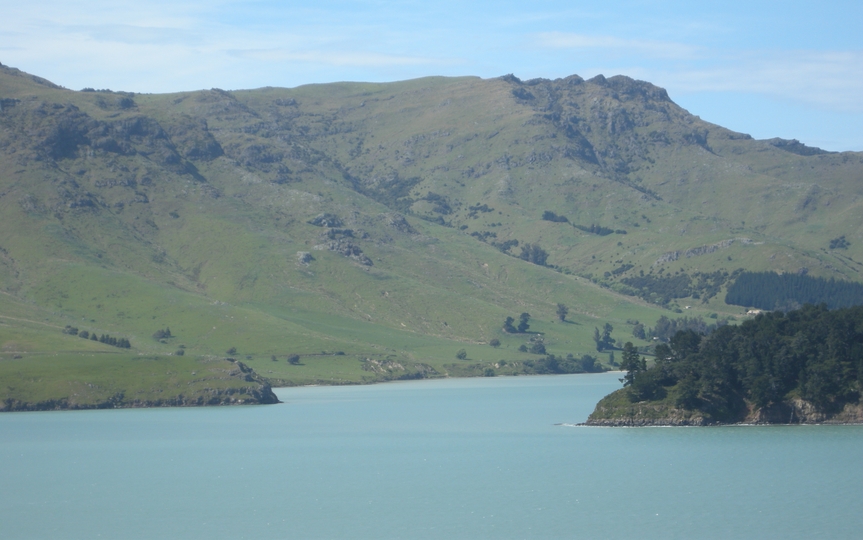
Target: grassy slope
{"x": 212, "y": 253}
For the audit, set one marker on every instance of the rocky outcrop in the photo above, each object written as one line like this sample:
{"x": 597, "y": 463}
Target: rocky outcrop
{"x": 304, "y": 257}
{"x": 325, "y": 220}
{"x": 349, "y": 250}
{"x": 397, "y": 222}
{"x": 700, "y": 250}
{"x": 798, "y": 411}
{"x": 613, "y": 411}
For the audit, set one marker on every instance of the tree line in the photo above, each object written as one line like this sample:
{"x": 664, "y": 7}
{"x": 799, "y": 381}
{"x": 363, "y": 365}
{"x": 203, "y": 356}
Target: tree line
{"x": 593, "y": 228}
{"x": 666, "y": 328}
{"x": 661, "y": 289}
{"x": 122, "y": 343}
{"x": 769, "y": 290}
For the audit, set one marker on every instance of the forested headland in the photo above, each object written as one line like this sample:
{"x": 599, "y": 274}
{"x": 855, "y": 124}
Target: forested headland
{"x": 803, "y": 366}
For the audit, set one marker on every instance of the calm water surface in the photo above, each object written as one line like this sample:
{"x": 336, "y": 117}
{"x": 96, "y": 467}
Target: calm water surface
{"x": 468, "y": 458}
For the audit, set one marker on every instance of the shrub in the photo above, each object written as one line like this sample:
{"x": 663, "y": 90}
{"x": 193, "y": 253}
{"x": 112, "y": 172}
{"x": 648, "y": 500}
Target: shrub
{"x": 537, "y": 348}
{"x": 162, "y": 334}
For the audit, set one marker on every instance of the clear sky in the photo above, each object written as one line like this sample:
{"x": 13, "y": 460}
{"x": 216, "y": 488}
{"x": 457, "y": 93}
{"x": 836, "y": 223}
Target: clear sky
{"x": 791, "y": 69}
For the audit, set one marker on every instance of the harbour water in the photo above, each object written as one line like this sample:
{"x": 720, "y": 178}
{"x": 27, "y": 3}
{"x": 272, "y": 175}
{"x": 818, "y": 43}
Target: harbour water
{"x": 459, "y": 458}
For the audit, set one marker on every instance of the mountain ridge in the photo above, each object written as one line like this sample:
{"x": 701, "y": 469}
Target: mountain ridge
{"x": 196, "y": 210}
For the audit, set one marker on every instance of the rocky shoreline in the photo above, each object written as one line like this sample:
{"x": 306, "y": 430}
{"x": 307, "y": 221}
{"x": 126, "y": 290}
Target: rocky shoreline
{"x": 263, "y": 395}
{"x": 613, "y": 413}
{"x": 227, "y": 382}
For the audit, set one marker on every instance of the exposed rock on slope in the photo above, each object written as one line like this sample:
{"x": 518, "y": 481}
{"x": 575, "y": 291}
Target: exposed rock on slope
{"x": 612, "y": 413}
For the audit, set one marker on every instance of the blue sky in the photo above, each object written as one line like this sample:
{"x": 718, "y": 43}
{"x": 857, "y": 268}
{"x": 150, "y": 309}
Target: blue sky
{"x": 771, "y": 69}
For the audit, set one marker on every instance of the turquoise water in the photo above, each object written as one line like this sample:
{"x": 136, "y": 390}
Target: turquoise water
{"x": 468, "y": 458}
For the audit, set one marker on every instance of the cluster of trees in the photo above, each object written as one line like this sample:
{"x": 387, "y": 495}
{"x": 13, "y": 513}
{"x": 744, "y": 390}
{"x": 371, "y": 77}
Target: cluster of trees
{"x": 440, "y": 203}
{"x": 769, "y": 290}
{"x": 839, "y": 243}
{"x": 813, "y": 353}
{"x": 593, "y": 228}
{"x": 548, "y": 215}
{"x": 293, "y": 359}
{"x": 522, "y": 324}
{"x": 123, "y": 343}
{"x": 536, "y": 346}
{"x": 666, "y": 328}
{"x": 534, "y": 254}
{"x": 709, "y": 284}
{"x": 162, "y": 334}
{"x": 598, "y": 229}
{"x": 552, "y": 364}
{"x": 623, "y": 268}
{"x": 506, "y": 245}
{"x": 603, "y": 339}
{"x": 473, "y": 209}
{"x": 483, "y": 236}
{"x": 661, "y": 289}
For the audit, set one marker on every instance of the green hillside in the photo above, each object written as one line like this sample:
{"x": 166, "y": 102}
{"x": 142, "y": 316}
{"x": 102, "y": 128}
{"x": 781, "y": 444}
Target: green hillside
{"x": 377, "y": 229}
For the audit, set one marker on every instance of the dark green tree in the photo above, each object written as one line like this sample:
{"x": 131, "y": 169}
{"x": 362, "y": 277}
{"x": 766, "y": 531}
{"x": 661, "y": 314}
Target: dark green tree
{"x": 508, "y": 327}
{"x": 604, "y": 340}
{"x": 534, "y": 254}
{"x": 631, "y": 363}
{"x": 608, "y": 341}
{"x": 562, "y": 311}
{"x": 522, "y": 322}
{"x": 537, "y": 347}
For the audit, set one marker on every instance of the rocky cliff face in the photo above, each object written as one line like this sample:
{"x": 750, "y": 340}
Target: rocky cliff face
{"x": 612, "y": 411}
{"x": 798, "y": 411}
